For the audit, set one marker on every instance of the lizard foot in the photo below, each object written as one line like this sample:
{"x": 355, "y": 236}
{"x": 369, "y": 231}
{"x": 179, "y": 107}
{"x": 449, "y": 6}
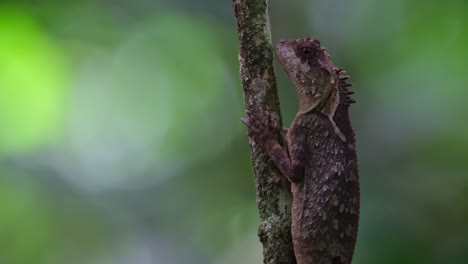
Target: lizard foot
{"x": 259, "y": 127}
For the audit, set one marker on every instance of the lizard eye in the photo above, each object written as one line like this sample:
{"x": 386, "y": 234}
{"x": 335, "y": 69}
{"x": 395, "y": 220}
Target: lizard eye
{"x": 306, "y": 51}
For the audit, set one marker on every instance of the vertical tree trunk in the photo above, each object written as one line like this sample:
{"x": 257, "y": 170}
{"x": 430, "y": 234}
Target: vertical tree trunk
{"x": 259, "y": 87}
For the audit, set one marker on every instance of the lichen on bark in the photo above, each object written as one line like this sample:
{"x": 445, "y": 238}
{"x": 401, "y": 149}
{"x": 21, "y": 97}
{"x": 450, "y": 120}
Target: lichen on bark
{"x": 260, "y": 94}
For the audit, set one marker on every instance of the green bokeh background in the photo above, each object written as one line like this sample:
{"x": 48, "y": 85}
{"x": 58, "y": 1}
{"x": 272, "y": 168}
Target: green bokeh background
{"x": 120, "y": 138}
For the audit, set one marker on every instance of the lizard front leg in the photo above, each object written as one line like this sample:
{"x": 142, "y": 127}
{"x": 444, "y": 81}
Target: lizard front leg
{"x": 260, "y": 130}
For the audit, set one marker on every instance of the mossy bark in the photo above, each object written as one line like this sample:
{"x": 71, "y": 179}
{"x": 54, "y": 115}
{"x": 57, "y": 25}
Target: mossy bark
{"x": 259, "y": 88}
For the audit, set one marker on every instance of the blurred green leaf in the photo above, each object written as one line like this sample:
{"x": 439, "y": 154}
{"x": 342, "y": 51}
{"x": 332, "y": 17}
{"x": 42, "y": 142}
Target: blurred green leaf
{"x": 32, "y": 83}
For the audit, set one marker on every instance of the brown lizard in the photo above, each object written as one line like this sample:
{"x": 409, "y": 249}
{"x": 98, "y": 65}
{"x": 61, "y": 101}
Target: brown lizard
{"x": 318, "y": 157}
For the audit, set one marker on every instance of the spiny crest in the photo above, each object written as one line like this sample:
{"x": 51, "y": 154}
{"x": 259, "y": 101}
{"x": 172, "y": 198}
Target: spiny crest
{"x": 343, "y": 84}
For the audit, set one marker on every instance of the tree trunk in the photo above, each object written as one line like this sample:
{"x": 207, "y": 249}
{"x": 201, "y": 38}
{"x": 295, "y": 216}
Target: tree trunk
{"x": 259, "y": 88}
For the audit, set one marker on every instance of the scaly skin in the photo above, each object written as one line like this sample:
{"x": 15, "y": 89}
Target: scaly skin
{"x": 319, "y": 157}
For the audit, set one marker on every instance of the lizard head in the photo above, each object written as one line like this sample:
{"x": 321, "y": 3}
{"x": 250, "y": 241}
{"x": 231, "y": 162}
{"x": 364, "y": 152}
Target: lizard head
{"x": 310, "y": 68}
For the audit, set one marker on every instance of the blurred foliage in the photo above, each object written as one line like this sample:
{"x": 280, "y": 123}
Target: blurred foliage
{"x": 24, "y": 221}
{"x": 120, "y": 139}
{"x": 31, "y": 95}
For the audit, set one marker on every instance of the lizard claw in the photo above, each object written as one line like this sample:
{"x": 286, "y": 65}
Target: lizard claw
{"x": 251, "y": 129}
{"x": 245, "y": 121}
{"x": 258, "y": 126}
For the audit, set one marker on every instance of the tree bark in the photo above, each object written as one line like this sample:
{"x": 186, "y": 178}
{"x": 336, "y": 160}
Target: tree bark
{"x": 260, "y": 95}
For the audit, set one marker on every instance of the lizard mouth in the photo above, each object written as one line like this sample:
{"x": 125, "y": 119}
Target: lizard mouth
{"x": 284, "y": 50}
{"x": 287, "y": 55}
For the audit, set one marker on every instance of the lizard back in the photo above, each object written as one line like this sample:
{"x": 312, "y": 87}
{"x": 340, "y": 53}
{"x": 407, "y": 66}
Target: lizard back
{"x": 324, "y": 230}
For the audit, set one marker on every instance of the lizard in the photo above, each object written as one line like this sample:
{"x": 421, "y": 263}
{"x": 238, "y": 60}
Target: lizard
{"x": 318, "y": 156}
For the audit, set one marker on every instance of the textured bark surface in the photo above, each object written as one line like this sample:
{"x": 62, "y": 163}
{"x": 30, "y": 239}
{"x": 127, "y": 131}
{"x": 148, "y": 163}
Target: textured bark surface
{"x": 259, "y": 88}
